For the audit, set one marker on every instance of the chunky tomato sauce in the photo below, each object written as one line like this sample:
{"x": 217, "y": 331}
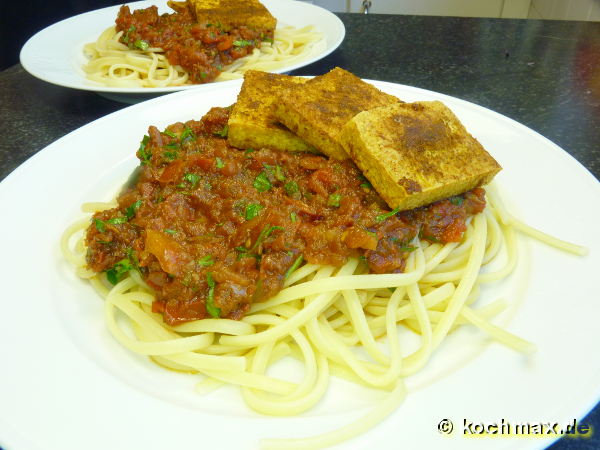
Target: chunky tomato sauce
{"x": 202, "y": 49}
{"x": 212, "y": 228}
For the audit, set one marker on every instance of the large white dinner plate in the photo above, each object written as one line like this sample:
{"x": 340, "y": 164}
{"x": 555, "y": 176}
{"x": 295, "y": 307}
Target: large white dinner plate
{"x": 66, "y": 384}
{"x": 55, "y": 54}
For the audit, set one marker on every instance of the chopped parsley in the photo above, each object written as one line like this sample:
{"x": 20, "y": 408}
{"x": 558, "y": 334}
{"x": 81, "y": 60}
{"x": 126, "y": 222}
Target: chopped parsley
{"x": 126, "y": 37}
{"x": 457, "y": 200}
{"x": 132, "y": 209}
{"x": 144, "y": 154}
{"x": 334, "y": 200}
{"x": 264, "y": 234}
{"x": 276, "y": 171}
{"x": 242, "y": 43}
{"x": 293, "y": 217}
{"x": 252, "y": 210}
{"x": 219, "y": 162}
{"x": 262, "y": 183}
{"x": 192, "y": 178}
{"x": 407, "y": 248}
{"x": 224, "y": 132}
{"x": 210, "y": 299}
{"x": 100, "y": 225}
{"x": 118, "y": 271}
{"x": 187, "y": 134}
{"x": 170, "y": 155}
{"x": 291, "y": 187}
{"x": 293, "y": 267}
{"x": 170, "y": 231}
{"x": 382, "y": 217}
{"x": 141, "y": 44}
{"x": 366, "y": 184}
{"x": 206, "y": 261}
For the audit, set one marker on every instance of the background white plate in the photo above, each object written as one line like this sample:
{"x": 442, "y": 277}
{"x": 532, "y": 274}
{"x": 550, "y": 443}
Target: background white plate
{"x": 65, "y": 384}
{"x": 55, "y": 54}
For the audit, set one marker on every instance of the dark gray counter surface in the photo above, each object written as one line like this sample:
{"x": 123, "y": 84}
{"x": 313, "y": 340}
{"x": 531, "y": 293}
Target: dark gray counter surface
{"x": 544, "y": 74}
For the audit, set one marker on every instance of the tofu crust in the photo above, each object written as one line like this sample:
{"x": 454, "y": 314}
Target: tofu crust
{"x": 416, "y": 153}
{"x": 318, "y": 110}
{"x": 252, "y": 123}
{"x": 230, "y": 14}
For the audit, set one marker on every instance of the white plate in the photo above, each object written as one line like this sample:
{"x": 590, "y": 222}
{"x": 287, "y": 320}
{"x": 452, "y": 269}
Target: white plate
{"x": 55, "y": 54}
{"x": 65, "y": 384}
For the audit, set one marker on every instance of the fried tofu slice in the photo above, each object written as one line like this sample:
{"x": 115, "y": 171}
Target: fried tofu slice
{"x": 318, "y": 110}
{"x": 230, "y": 14}
{"x": 416, "y": 153}
{"x": 252, "y": 123}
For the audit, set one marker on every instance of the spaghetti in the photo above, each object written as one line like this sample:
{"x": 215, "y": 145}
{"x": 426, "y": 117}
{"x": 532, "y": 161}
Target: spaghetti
{"x": 322, "y": 316}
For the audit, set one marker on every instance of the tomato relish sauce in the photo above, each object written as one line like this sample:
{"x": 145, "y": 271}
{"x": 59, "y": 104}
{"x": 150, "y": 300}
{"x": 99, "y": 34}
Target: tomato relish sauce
{"x": 201, "y": 49}
{"x": 212, "y": 228}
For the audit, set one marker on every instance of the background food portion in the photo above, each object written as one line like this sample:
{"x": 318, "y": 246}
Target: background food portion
{"x": 198, "y": 43}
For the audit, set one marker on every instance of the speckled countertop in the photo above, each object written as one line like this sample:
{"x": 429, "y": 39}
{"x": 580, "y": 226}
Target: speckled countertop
{"x": 543, "y": 74}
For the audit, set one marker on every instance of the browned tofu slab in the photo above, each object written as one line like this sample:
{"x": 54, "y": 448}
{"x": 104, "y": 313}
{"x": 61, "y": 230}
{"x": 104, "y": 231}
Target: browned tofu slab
{"x": 317, "y": 110}
{"x": 416, "y": 153}
{"x": 252, "y": 123}
{"x": 229, "y": 14}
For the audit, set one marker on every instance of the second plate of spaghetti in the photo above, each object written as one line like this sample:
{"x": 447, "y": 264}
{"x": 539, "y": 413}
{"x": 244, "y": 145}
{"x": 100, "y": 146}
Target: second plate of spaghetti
{"x": 59, "y": 53}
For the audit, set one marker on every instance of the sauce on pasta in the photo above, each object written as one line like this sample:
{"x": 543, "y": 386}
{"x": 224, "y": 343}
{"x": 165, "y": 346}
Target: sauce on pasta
{"x": 202, "y": 49}
{"x": 213, "y": 228}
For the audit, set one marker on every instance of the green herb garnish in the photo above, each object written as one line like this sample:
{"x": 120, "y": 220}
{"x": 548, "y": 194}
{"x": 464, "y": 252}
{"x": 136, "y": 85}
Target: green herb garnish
{"x": 132, "y": 209}
{"x": 170, "y": 155}
{"x": 141, "y": 44}
{"x": 192, "y": 178}
{"x": 262, "y": 183}
{"x": 291, "y": 187}
{"x": 334, "y": 200}
{"x": 206, "y": 261}
{"x": 382, "y": 217}
{"x": 170, "y": 231}
{"x": 126, "y": 37}
{"x": 407, "y": 248}
{"x": 100, "y": 225}
{"x": 264, "y": 234}
{"x": 187, "y": 134}
{"x": 457, "y": 200}
{"x": 210, "y": 299}
{"x": 223, "y": 132}
{"x": 242, "y": 43}
{"x": 252, "y": 210}
{"x": 118, "y": 271}
{"x": 219, "y": 162}
{"x": 144, "y": 154}
{"x": 293, "y": 267}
